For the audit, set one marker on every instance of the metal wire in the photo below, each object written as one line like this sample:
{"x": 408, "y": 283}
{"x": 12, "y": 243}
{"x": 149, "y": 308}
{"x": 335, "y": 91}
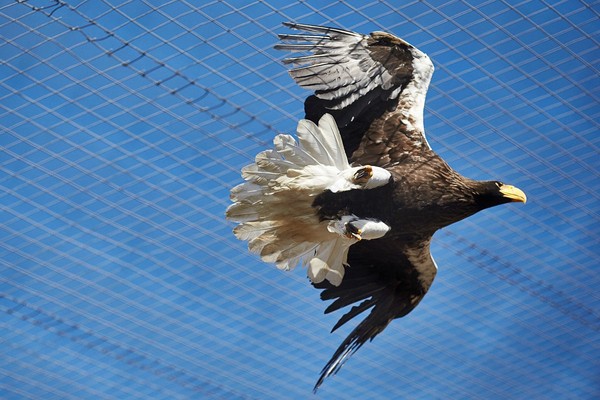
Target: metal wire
{"x": 125, "y": 124}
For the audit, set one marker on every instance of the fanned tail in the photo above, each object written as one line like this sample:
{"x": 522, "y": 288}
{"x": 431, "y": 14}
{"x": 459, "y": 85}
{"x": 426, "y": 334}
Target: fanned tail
{"x": 275, "y": 205}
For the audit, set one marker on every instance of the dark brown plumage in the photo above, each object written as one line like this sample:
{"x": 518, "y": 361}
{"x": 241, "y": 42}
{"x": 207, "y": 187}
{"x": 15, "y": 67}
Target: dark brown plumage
{"x": 363, "y": 230}
{"x": 375, "y": 86}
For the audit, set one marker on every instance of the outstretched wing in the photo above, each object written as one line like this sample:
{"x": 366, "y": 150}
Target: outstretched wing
{"x": 385, "y": 275}
{"x": 373, "y": 85}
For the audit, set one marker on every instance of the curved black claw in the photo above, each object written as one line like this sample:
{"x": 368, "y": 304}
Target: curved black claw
{"x": 352, "y": 231}
{"x": 363, "y": 175}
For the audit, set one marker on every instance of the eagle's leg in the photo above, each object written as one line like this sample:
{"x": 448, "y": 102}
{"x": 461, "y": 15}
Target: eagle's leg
{"x": 353, "y": 227}
{"x": 369, "y": 177}
{"x": 360, "y": 177}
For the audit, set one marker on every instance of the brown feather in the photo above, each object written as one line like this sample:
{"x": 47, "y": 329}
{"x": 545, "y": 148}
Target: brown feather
{"x": 379, "y": 112}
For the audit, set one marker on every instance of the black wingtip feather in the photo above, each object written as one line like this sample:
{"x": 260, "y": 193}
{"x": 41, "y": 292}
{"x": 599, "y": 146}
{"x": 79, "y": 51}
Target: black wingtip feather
{"x": 298, "y": 37}
{"x": 351, "y": 295}
{"x": 354, "y": 311}
{"x": 370, "y": 327}
{"x": 317, "y": 28}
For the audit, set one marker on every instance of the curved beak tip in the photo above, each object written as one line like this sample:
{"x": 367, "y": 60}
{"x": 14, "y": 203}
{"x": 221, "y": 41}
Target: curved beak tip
{"x": 514, "y": 194}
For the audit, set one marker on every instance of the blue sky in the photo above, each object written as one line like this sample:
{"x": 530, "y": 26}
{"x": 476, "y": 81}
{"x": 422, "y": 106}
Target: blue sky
{"x": 125, "y": 124}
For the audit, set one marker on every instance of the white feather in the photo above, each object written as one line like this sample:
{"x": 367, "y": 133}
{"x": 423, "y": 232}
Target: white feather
{"x": 333, "y": 141}
{"x": 309, "y": 136}
{"x": 379, "y": 178}
{"x": 274, "y": 205}
{"x": 288, "y": 148}
{"x": 253, "y": 229}
{"x": 329, "y": 261}
{"x": 242, "y": 212}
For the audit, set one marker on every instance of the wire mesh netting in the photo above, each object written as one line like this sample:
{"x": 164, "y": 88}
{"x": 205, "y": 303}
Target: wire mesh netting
{"x": 126, "y": 123}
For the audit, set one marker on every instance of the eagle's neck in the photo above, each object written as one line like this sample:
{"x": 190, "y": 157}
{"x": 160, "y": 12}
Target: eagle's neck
{"x": 429, "y": 195}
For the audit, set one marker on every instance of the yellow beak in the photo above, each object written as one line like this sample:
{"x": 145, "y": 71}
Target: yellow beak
{"x": 513, "y": 193}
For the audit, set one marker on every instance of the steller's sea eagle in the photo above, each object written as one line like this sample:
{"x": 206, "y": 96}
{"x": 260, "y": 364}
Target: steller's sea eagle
{"x": 359, "y": 196}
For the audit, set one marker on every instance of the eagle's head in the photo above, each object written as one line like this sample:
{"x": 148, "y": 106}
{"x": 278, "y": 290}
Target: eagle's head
{"x": 493, "y": 193}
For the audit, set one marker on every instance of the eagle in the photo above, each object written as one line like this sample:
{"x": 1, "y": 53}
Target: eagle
{"x": 358, "y": 196}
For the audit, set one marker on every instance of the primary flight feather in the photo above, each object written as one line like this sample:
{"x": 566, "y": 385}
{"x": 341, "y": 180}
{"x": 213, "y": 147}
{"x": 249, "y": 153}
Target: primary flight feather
{"x": 358, "y": 198}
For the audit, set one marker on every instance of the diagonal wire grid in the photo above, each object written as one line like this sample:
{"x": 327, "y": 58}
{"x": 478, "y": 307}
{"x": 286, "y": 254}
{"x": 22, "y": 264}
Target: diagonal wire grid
{"x": 125, "y": 124}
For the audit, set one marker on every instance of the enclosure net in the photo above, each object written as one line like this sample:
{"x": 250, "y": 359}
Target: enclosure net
{"x": 126, "y": 123}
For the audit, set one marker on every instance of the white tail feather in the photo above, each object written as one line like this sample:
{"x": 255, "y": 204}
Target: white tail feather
{"x": 253, "y": 229}
{"x": 325, "y": 148}
{"x": 274, "y": 205}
